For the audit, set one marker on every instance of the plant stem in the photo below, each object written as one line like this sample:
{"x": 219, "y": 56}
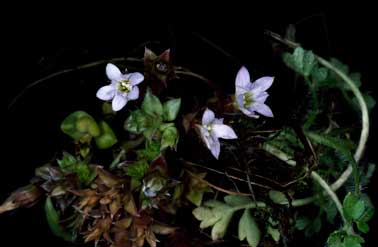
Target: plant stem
{"x": 365, "y": 125}
{"x": 330, "y": 192}
{"x": 251, "y": 205}
{"x": 364, "y": 110}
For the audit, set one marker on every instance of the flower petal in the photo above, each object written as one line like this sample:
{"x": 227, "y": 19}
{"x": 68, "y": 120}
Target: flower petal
{"x": 218, "y": 120}
{"x": 250, "y": 112}
{"x": 134, "y": 94}
{"x": 263, "y": 83}
{"x": 165, "y": 56}
{"x": 119, "y": 101}
{"x": 208, "y": 117}
{"x": 264, "y": 110}
{"x": 261, "y": 98}
{"x": 206, "y": 137}
{"x": 136, "y": 78}
{"x": 223, "y": 131}
{"x": 242, "y": 80}
{"x": 113, "y": 72}
{"x": 215, "y": 148}
{"x": 106, "y": 92}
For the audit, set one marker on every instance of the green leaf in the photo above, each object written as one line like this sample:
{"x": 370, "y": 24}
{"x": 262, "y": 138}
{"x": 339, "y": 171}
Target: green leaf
{"x": 319, "y": 75}
{"x": 137, "y": 122}
{"x": 171, "y": 109}
{"x": 53, "y": 220}
{"x": 363, "y": 226}
{"x": 206, "y": 216}
{"x": 67, "y": 164}
{"x": 340, "y": 65}
{"x": 78, "y": 124}
{"x": 369, "y": 100}
{"x": 356, "y": 78}
{"x": 309, "y": 62}
{"x": 169, "y": 138}
{"x": 353, "y": 241}
{"x": 152, "y": 105}
{"x": 353, "y": 207}
{"x": 274, "y": 233}
{"x": 331, "y": 211}
{"x": 249, "y": 229}
{"x": 314, "y": 227}
{"x": 137, "y": 169}
{"x": 367, "y": 215}
{"x": 235, "y": 200}
{"x": 335, "y": 239}
{"x": 85, "y": 173}
{"x": 302, "y": 222}
{"x": 220, "y": 228}
{"x": 278, "y": 197}
{"x": 107, "y": 137}
{"x": 219, "y": 216}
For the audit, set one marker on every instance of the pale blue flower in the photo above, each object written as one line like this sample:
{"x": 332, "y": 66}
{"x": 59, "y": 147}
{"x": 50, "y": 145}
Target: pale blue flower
{"x": 251, "y": 97}
{"x": 122, "y": 88}
{"x": 212, "y": 129}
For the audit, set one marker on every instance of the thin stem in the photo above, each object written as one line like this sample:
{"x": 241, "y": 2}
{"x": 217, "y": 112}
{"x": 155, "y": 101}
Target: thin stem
{"x": 330, "y": 192}
{"x": 65, "y": 71}
{"x": 365, "y": 124}
{"x": 364, "y": 110}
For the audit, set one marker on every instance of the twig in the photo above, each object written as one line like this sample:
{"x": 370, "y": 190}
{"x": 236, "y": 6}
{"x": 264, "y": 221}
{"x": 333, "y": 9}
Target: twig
{"x": 219, "y": 172}
{"x": 216, "y": 187}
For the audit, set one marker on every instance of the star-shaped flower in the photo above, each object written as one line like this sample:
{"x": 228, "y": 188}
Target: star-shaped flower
{"x": 251, "y": 97}
{"x": 158, "y": 66}
{"x": 122, "y": 88}
{"x": 212, "y": 129}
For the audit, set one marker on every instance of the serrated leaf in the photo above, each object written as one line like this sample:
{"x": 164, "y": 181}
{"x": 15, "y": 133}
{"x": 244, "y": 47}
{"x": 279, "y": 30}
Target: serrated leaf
{"x": 152, "y": 105}
{"x": 353, "y": 241}
{"x": 249, "y": 229}
{"x": 171, "y": 109}
{"x": 137, "y": 169}
{"x": 335, "y": 239}
{"x": 79, "y": 124}
{"x": 67, "y": 163}
{"x": 340, "y": 65}
{"x": 52, "y": 217}
{"x": 235, "y": 200}
{"x": 353, "y": 207}
{"x": 107, "y": 137}
{"x": 319, "y": 75}
{"x": 278, "y": 197}
{"x": 137, "y": 122}
{"x": 309, "y": 62}
{"x": 169, "y": 138}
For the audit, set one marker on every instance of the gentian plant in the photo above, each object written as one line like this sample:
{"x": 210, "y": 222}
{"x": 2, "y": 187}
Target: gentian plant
{"x": 218, "y": 170}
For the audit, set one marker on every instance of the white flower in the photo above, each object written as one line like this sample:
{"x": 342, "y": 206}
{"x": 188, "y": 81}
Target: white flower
{"x": 122, "y": 88}
{"x": 250, "y": 97}
{"x": 212, "y": 129}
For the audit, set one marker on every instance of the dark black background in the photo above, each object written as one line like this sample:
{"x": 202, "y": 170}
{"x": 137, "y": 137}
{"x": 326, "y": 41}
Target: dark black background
{"x": 37, "y": 47}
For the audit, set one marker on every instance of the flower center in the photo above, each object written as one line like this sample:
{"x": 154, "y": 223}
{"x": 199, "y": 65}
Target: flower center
{"x": 248, "y": 99}
{"x": 161, "y": 67}
{"x": 124, "y": 86}
{"x": 209, "y": 127}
